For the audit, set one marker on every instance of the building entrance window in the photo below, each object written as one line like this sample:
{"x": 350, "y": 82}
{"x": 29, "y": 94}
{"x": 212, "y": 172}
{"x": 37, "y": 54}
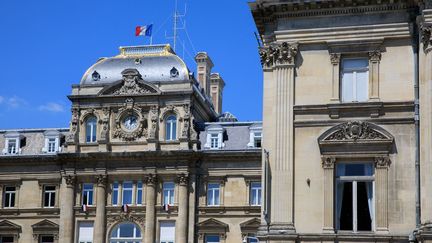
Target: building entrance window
{"x": 354, "y": 197}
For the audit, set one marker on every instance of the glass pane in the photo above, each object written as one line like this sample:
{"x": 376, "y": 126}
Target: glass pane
{"x": 127, "y": 230}
{"x": 345, "y": 169}
{"x": 362, "y": 86}
{"x": 346, "y": 210}
{"x": 174, "y": 131}
{"x": 359, "y": 63}
{"x": 212, "y": 238}
{"x": 139, "y": 193}
{"x": 115, "y": 194}
{"x": 347, "y": 87}
{"x": 364, "y": 206}
{"x": 52, "y": 200}
{"x": 216, "y": 195}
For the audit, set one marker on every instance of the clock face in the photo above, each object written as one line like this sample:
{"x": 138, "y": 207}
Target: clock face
{"x": 130, "y": 122}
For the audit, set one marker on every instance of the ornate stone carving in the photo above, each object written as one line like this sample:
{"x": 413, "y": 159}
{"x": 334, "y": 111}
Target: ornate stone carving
{"x": 101, "y": 180}
{"x": 382, "y": 162}
{"x": 151, "y": 179}
{"x": 183, "y": 180}
{"x": 186, "y": 119}
{"x": 335, "y": 58}
{"x": 139, "y": 131}
{"x": 71, "y": 138}
{"x": 426, "y": 38}
{"x": 328, "y": 162}
{"x": 123, "y": 217}
{"x": 130, "y": 84}
{"x": 278, "y": 54}
{"x": 355, "y": 130}
{"x": 375, "y": 56}
{"x": 153, "y": 120}
{"x": 70, "y": 180}
{"x": 105, "y": 123}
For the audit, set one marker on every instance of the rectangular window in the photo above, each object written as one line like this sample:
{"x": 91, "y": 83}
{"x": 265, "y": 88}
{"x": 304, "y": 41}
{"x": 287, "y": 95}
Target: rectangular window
{"x": 85, "y": 232}
{"x": 167, "y": 232}
{"x": 47, "y": 239}
{"x": 87, "y": 194}
{"x": 49, "y": 196}
{"x": 355, "y": 80}
{"x": 127, "y": 193}
{"x": 255, "y": 193}
{"x": 168, "y": 193}
{"x": 214, "y": 141}
{"x": 354, "y": 197}
{"x": 213, "y": 194}
{"x": 257, "y": 139}
{"x": 7, "y": 239}
{"x": 12, "y": 146}
{"x": 139, "y": 193}
{"x": 212, "y": 239}
{"x": 115, "y": 193}
{"x": 52, "y": 148}
{"x": 251, "y": 238}
{"x": 9, "y": 196}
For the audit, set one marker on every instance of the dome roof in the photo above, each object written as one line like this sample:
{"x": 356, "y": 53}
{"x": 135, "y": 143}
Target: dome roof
{"x": 156, "y": 63}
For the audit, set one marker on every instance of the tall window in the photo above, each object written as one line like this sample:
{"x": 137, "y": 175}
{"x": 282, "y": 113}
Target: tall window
{"x": 255, "y": 193}
{"x": 355, "y": 79}
{"x": 139, "y": 193}
{"x": 85, "y": 232}
{"x": 212, "y": 239}
{"x": 46, "y": 239}
{"x": 167, "y": 232}
{"x": 214, "y": 141}
{"x": 9, "y": 196}
{"x": 127, "y": 193}
{"x": 171, "y": 128}
{"x": 168, "y": 193}
{"x": 354, "y": 196}
{"x": 115, "y": 193}
{"x": 49, "y": 196}
{"x": 12, "y": 146}
{"x": 213, "y": 194}
{"x": 126, "y": 233}
{"x": 91, "y": 129}
{"x": 87, "y": 194}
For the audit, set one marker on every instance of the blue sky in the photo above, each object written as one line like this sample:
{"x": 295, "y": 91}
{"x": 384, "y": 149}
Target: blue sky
{"x": 48, "y": 45}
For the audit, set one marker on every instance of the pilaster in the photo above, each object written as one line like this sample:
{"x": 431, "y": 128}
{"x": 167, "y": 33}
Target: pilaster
{"x": 66, "y": 209}
{"x": 328, "y": 164}
{"x": 182, "y": 219}
{"x": 381, "y": 193}
{"x": 150, "y": 218}
{"x": 335, "y": 61}
{"x": 99, "y": 224}
{"x": 374, "y": 60}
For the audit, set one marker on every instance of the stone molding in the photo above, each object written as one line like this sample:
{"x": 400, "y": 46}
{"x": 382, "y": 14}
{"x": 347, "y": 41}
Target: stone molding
{"x": 335, "y": 58}
{"x": 328, "y": 162}
{"x": 183, "y": 180}
{"x": 355, "y": 130}
{"x": 101, "y": 180}
{"x": 113, "y": 220}
{"x": 382, "y": 162}
{"x": 151, "y": 179}
{"x": 426, "y": 37}
{"x": 278, "y": 54}
{"x": 375, "y": 56}
{"x": 70, "y": 180}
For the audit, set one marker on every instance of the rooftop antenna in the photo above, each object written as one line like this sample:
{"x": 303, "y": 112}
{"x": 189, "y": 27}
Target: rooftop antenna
{"x": 177, "y": 16}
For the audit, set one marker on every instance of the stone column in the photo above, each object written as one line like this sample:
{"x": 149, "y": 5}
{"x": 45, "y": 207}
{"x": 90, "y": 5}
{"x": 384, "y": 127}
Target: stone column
{"x": 335, "y": 61}
{"x": 374, "y": 60}
{"x": 381, "y": 192}
{"x": 99, "y": 224}
{"x": 66, "y": 209}
{"x": 182, "y": 219}
{"x": 150, "y": 217}
{"x": 281, "y": 59}
{"x": 328, "y": 164}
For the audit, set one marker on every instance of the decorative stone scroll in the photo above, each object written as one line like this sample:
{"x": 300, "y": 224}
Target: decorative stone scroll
{"x": 101, "y": 180}
{"x": 382, "y": 162}
{"x": 355, "y": 130}
{"x": 278, "y": 54}
{"x": 328, "y": 162}
{"x": 182, "y": 179}
{"x": 151, "y": 179}
{"x": 131, "y": 84}
{"x": 426, "y": 38}
{"x": 124, "y": 217}
{"x": 375, "y": 56}
{"x": 70, "y": 180}
{"x": 335, "y": 58}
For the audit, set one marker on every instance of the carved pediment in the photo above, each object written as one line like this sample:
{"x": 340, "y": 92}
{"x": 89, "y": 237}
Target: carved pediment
{"x": 45, "y": 226}
{"x": 212, "y": 226}
{"x": 7, "y": 227}
{"x": 131, "y": 84}
{"x": 250, "y": 225}
{"x": 356, "y": 136}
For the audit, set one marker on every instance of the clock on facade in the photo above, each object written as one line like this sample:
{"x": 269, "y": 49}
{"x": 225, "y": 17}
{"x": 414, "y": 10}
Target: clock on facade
{"x": 130, "y": 122}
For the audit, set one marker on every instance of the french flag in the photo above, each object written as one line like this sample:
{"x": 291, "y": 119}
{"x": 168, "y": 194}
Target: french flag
{"x": 145, "y": 30}
{"x": 84, "y": 208}
{"x": 125, "y": 208}
{"x": 166, "y": 207}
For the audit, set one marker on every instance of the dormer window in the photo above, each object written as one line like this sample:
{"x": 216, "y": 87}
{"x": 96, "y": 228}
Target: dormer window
{"x": 214, "y": 138}
{"x": 255, "y": 136}
{"x": 12, "y": 143}
{"x": 52, "y": 142}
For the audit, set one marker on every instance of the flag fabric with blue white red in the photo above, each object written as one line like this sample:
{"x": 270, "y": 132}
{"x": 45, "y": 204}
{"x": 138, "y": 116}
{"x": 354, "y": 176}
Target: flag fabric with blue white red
{"x": 145, "y": 30}
{"x": 84, "y": 208}
{"x": 125, "y": 208}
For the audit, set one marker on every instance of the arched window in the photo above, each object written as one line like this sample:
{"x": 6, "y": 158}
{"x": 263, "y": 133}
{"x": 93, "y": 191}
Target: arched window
{"x": 91, "y": 129}
{"x": 171, "y": 128}
{"x": 126, "y": 233}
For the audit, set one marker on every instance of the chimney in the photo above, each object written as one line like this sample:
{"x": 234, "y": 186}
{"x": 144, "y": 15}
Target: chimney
{"x": 217, "y": 85}
{"x": 204, "y": 66}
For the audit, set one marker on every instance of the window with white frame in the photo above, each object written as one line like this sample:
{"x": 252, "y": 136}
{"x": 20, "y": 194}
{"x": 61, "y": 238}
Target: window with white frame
{"x": 87, "y": 194}
{"x": 167, "y": 232}
{"x": 115, "y": 193}
{"x": 12, "y": 146}
{"x": 255, "y": 193}
{"x": 212, "y": 239}
{"x": 9, "y": 196}
{"x": 214, "y": 141}
{"x": 13, "y": 142}
{"x": 168, "y": 193}
{"x": 127, "y": 195}
{"x": 213, "y": 194}
{"x": 257, "y": 139}
{"x": 355, "y": 79}
{"x": 139, "y": 193}
{"x": 171, "y": 128}
{"x": 354, "y": 196}
{"x": 91, "y": 129}
{"x": 255, "y": 136}
{"x": 49, "y": 196}
{"x": 52, "y": 141}
{"x": 85, "y": 232}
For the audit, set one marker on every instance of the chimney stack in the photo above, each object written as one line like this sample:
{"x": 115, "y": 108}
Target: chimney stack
{"x": 217, "y": 85}
{"x": 204, "y": 66}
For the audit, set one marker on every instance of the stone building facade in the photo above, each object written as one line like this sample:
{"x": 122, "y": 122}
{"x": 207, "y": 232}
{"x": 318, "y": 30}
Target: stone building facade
{"x": 147, "y": 158}
{"x": 346, "y": 120}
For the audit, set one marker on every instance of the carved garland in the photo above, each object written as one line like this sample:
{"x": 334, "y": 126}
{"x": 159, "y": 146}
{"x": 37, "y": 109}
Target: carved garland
{"x": 278, "y": 54}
